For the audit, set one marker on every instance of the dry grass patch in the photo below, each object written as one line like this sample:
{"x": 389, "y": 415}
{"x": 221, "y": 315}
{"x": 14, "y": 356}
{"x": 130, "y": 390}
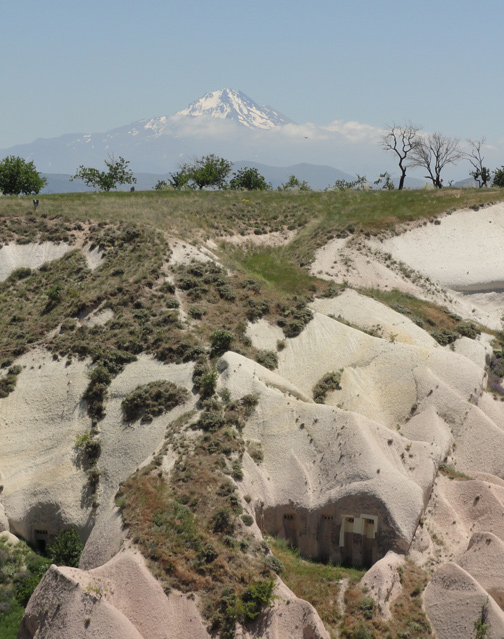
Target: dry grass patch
{"x": 192, "y": 529}
{"x": 452, "y": 473}
{"x": 363, "y": 621}
{"x": 443, "y": 325}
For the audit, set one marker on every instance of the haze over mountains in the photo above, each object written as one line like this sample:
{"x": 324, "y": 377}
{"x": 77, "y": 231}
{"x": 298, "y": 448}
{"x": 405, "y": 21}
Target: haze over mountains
{"x": 227, "y": 123}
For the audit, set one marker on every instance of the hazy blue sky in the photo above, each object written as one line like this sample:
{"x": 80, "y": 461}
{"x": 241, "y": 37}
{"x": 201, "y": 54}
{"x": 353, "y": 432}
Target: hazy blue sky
{"x": 91, "y": 66}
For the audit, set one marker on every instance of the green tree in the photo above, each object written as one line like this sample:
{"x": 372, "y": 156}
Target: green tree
{"x": 180, "y": 179}
{"x": 385, "y": 182}
{"x": 161, "y": 185}
{"x": 210, "y": 170}
{"x": 293, "y": 183}
{"x": 117, "y": 173}
{"x": 17, "y": 176}
{"x": 66, "y": 549}
{"x": 249, "y": 179}
{"x": 498, "y": 179}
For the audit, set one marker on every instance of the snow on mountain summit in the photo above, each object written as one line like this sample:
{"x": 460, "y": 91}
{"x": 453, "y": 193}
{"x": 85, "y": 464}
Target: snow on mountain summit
{"x": 234, "y": 105}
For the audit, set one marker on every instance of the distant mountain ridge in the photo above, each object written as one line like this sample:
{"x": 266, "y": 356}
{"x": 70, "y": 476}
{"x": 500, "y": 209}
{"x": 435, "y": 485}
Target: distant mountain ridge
{"x": 156, "y": 145}
{"x": 227, "y": 123}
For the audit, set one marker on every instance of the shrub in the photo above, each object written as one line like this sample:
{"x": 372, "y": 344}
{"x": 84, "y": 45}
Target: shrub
{"x": 92, "y": 449}
{"x": 66, "y": 549}
{"x": 152, "y": 400}
{"x": 20, "y": 273}
{"x": 90, "y": 446}
{"x": 223, "y": 521}
{"x": 100, "y": 375}
{"x": 468, "y": 330}
{"x": 249, "y": 402}
{"x": 208, "y": 383}
{"x": 294, "y": 320}
{"x": 237, "y": 470}
{"x": 93, "y": 475}
{"x": 367, "y": 606}
{"x": 226, "y": 292}
{"x": 196, "y": 312}
{"x": 257, "y": 596}
{"x": 8, "y": 383}
{"x": 221, "y": 342}
{"x": 55, "y": 294}
{"x": 172, "y": 303}
{"x": 268, "y": 359}
{"x": 330, "y": 381}
{"x": 255, "y": 450}
{"x": 256, "y": 309}
{"x": 444, "y": 336}
{"x": 211, "y": 421}
{"x": 274, "y": 564}
{"x": 361, "y": 631}
{"x": 248, "y": 520}
{"x": 25, "y": 588}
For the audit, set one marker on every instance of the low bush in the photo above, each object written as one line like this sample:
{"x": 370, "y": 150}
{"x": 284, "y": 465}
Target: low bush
{"x": 257, "y": 596}
{"x": 445, "y": 336}
{"x": 8, "y": 382}
{"x": 153, "y": 399}
{"x": 248, "y": 520}
{"x": 211, "y": 421}
{"x": 274, "y": 564}
{"x": 268, "y": 359}
{"x": 221, "y": 342}
{"x": 330, "y": 381}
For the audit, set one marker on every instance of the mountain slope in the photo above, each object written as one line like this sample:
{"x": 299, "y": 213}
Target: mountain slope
{"x": 155, "y": 145}
{"x": 234, "y": 105}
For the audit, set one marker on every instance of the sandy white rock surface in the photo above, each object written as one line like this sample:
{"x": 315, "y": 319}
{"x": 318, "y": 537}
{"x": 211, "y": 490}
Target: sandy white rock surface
{"x": 405, "y": 405}
{"x": 14, "y": 256}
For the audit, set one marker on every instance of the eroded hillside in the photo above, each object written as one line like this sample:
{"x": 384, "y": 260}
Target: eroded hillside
{"x": 225, "y": 377}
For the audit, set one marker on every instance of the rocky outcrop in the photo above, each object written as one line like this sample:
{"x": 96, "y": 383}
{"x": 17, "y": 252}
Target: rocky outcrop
{"x": 353, "y": 481}
{"x": 122, "y": 600}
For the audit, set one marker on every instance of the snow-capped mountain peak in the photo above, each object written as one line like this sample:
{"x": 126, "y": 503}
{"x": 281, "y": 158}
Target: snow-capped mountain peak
{"x": 234, "y": 105}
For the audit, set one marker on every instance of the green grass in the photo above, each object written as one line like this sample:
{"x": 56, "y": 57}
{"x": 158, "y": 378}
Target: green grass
{"x": 276, "y": 268}
{"x": 314, "y": 582}
{"x": 317, "y": 216}
{"x": 20, "y": 571}
{"x": 10, "y": 620}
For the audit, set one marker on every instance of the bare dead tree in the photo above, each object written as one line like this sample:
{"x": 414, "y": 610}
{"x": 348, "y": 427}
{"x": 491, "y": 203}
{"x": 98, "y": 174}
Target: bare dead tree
{"x": 480, "y": 173}
{"x": 401, "y": 140}
{"x": 433, "y": 152}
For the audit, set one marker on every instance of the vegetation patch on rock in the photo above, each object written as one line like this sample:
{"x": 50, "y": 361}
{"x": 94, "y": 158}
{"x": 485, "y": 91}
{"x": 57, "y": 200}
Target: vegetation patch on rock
{"x": 363, "y": 621}
{"x": 153, "y": 399}
{"x": 328, "y": 382}
{"x": 190, "y": 528}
